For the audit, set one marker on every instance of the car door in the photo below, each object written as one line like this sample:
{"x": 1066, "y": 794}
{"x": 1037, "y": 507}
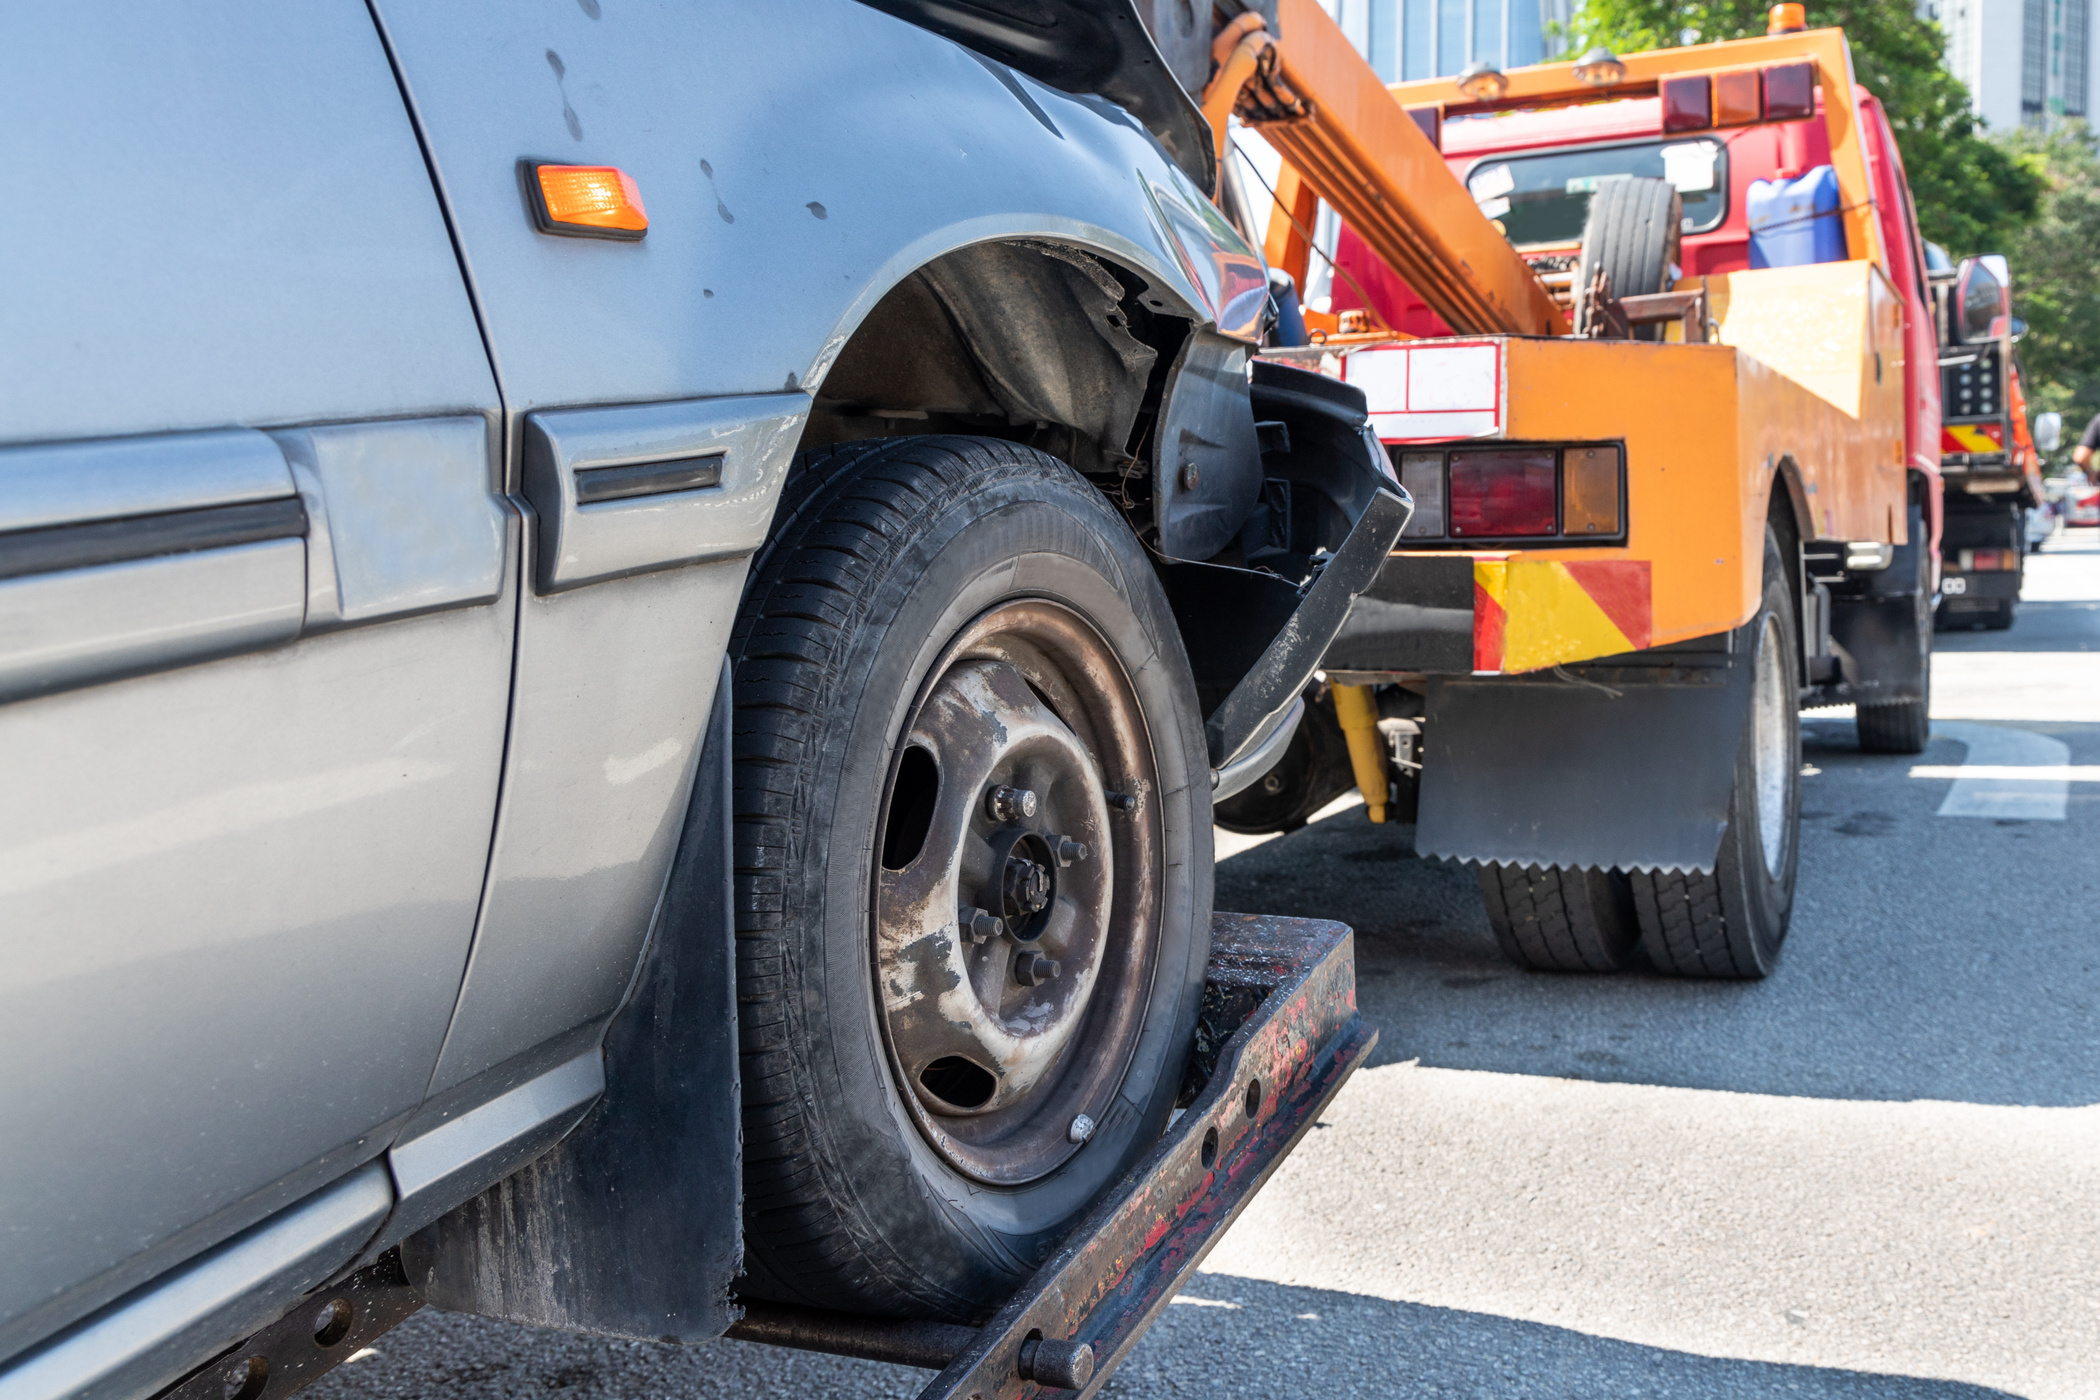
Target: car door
{"x": 256, "y": 617}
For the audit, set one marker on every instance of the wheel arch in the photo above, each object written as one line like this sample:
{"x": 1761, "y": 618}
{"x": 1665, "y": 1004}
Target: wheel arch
{"x": 1057, "y": 337}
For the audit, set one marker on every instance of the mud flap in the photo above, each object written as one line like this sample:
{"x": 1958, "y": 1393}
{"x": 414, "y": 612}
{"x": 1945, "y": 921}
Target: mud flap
{"x": 1875, "y": 633}
{"x": 632, "y": 1225}
{"x": 1610, "y": 769}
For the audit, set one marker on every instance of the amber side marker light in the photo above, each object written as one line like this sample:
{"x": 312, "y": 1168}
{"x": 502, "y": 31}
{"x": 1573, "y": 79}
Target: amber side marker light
{"x": 584, "y": 201}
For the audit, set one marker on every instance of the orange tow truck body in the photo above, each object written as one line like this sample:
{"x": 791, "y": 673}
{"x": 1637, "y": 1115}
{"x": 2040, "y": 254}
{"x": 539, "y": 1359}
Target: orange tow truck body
{"x": 1610, "y": 490}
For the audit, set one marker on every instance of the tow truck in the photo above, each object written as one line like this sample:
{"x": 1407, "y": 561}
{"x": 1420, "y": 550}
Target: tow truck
{"x": 1648, "y": 338}
{"x": 1988, "y": 452}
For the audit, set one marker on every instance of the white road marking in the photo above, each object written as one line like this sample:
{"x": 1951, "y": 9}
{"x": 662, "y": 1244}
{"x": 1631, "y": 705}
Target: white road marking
{"x": 2051, "y": 773}
{"x": 1983, "y": 786}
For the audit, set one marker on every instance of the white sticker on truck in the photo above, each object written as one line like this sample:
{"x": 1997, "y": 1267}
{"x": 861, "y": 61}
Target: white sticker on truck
{"x": 1430, "y": 391}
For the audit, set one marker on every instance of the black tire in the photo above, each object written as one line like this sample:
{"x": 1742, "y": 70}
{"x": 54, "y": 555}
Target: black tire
{"x": 1313, "y": 771}
{"x": 1731, "y": 923}
{"x": 1905, "y": 726}
{"x": 1633, "y": 232}
{"x": 2000, "y": 617}
{"x": 883, "y": 553}
{"x": 1561, "y": 919}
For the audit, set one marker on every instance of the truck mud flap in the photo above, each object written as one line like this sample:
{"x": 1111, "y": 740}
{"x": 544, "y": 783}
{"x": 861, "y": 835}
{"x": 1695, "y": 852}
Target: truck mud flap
{"x": 1606, "y": 768}
{"x": 1279, "y": 1034}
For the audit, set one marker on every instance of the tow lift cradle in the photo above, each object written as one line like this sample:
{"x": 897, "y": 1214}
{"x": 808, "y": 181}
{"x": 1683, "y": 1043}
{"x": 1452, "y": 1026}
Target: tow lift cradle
{"x": 1278, "y": 1035}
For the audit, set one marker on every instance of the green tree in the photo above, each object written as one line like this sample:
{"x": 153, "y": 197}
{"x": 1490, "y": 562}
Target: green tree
{"x": 2056, "y": 273}
{"x": 1972, "y": 193}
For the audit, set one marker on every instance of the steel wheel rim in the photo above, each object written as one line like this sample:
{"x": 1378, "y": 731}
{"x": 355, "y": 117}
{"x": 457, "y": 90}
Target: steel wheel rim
{"x": 1006, "y": 1077}
{"x": 1769, "y": 745}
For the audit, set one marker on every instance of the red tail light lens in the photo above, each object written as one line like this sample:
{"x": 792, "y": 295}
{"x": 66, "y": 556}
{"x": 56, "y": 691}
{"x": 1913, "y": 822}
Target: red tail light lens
{"x": 1503, "y": 493}
{"x": 1790, "y": 92}
{"x": 1687, "y": 103}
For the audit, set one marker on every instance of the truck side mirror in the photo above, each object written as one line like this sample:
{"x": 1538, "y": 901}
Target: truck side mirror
{"x": 2048, "y": 431}
{"x": 1982, "y": 310}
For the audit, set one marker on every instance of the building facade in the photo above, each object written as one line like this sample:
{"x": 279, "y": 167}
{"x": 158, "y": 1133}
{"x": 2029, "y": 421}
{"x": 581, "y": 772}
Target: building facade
{"x": 2026, "y": 62}
{"x": 1409, "y": 39}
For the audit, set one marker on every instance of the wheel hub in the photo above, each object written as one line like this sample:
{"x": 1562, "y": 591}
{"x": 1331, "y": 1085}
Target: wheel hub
{"x": 1013, "y": 922}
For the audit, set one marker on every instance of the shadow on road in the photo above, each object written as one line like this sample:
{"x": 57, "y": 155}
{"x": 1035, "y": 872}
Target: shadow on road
{"x": 1254, "y": 1340}
{"x": 1929, "y": 958}
{"x": 1273, "y": 1340}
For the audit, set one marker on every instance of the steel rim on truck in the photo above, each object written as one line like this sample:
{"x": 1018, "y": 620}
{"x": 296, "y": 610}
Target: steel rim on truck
{"x": 1016, "y": 913}
{"x": 1770, "y": 736}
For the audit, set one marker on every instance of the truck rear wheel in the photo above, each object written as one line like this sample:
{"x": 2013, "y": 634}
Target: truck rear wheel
{"x": 1561, "y": 919}
{"x": 1731, "y": 923}
{"x": 972, "y": 872}
{"x": 1633, "y": 232}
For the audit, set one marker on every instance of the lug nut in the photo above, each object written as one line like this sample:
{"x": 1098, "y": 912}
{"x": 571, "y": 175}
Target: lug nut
{"x": 977, "y": 925}
{"x": 1191, "y": 476}
{"x": 1009, "y": 804}
{"x": 1070, "y": 852}
{"x": 1032, "y": 968}
{"x": 1082, "y": 1128}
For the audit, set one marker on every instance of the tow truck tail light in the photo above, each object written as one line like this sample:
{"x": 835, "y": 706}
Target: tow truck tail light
{"x": 1688, "y": 103}
{"x": 1422, "y": 473}
{"x": 1508, "y": 491}
{"x": 1790, "y": 92}
{"x": 1589, "y": 484}
{"x": 1519, "y": 492}
{"x": 1739, "y": 97}
{"x": 1785, "y": 92}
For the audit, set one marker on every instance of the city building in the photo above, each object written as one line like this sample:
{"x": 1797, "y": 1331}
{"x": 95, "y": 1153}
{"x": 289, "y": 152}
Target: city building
{"x": 1407, "y": 39}
{"x": 2026, "y": 62}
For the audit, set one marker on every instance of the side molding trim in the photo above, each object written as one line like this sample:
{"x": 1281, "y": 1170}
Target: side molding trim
{"x": 139, "y": 1344}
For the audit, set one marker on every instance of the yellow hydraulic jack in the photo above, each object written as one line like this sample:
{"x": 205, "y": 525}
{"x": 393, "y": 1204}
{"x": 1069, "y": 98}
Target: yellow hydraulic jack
{"x": 1358, "y": 713}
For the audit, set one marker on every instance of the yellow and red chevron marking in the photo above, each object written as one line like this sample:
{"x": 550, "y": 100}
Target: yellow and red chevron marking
{"x": 1532, "y": 613}
{"x": 1972, "y": 437}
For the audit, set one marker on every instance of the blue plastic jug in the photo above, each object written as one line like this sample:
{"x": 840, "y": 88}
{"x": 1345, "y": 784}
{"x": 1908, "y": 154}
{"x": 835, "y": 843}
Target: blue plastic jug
{"x": 1795, "y": 222}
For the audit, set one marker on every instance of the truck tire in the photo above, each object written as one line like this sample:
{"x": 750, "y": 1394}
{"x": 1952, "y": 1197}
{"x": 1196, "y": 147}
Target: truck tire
{"x": 967, "y": 748}
{"x": 1905, "y": 726}
{"x": 1313, "y": 771}
{"x": 1634, "y": 231}
{"x": 1561, "y": 919}
{"x": 1731, "y": 923}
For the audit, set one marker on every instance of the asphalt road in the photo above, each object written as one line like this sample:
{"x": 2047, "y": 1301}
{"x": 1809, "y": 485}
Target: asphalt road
{"x": 1875, "y": 1174}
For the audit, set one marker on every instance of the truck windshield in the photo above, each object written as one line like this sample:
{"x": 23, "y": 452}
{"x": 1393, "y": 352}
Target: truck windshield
{"x": 1545, "y": 198}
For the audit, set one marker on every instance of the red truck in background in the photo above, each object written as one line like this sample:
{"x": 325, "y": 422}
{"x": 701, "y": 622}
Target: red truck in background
{"x": 1988, "y": 457}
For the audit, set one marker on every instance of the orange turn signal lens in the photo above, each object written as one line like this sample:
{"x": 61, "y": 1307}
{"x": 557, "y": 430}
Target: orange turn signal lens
{"x": 588, "y": 201}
